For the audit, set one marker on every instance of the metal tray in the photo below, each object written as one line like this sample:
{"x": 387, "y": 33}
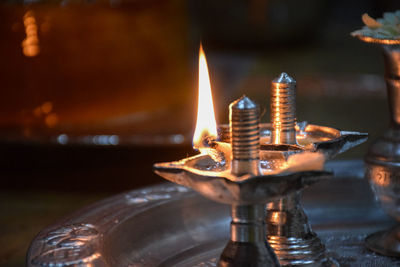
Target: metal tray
{"x": 169, "y": 225}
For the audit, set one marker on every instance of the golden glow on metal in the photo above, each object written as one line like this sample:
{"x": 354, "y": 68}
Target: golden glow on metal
{"x": 30, "y": 45}
{"x": 206, "y": 125}
{"x": 277, "y": 120}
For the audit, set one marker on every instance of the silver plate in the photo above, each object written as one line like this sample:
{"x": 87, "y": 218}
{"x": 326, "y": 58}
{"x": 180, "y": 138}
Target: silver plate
{"x": 169, "y": 225}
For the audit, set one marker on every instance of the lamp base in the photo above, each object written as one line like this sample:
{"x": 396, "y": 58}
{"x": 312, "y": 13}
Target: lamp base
{"x": 248, "y": 246}
{"x": 305, "y": 251}
{"x": 290, "y": 235}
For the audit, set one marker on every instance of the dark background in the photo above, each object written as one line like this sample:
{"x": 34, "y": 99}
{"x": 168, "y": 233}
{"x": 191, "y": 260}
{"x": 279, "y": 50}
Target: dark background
{"x": 93, "y": 72}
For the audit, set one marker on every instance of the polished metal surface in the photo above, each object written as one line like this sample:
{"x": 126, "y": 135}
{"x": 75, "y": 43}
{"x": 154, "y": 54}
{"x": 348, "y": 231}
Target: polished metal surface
{"x": 244, "y": 122}
{"x": 212, "y": 177}
{"x": 169, "y": 225}
{"x": 223, "y": 188}
{"x": 248, "y": 246}
{"x": 391, "y": 57}
{"x": 383, "y": 156}
{"x": 283, "y": 110}
{"x": 290, "y": 235}
{"x": 288, "y": 230}
{"x": 369, "y": 39}
{"x": 385, "y": 242}
{"x": 383, "y": 173}
{"x": 309, "y": 137}
{"x": 231, "y": 173}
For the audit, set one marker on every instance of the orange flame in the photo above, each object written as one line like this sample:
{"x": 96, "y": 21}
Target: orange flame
{"x": 206, "y": 125}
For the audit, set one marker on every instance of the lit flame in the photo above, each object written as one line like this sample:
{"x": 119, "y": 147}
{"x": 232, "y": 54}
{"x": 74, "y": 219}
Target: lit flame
{"x": 206, "y": 125}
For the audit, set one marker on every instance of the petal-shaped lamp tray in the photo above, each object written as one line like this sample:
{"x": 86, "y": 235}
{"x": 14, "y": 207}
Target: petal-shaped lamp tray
{"x": 169, "y": 225}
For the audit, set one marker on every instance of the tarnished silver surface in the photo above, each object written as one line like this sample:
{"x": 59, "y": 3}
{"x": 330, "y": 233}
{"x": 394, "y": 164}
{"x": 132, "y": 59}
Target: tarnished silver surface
{"x": 190, "y": 230}
{"x": 383, "y": 156}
